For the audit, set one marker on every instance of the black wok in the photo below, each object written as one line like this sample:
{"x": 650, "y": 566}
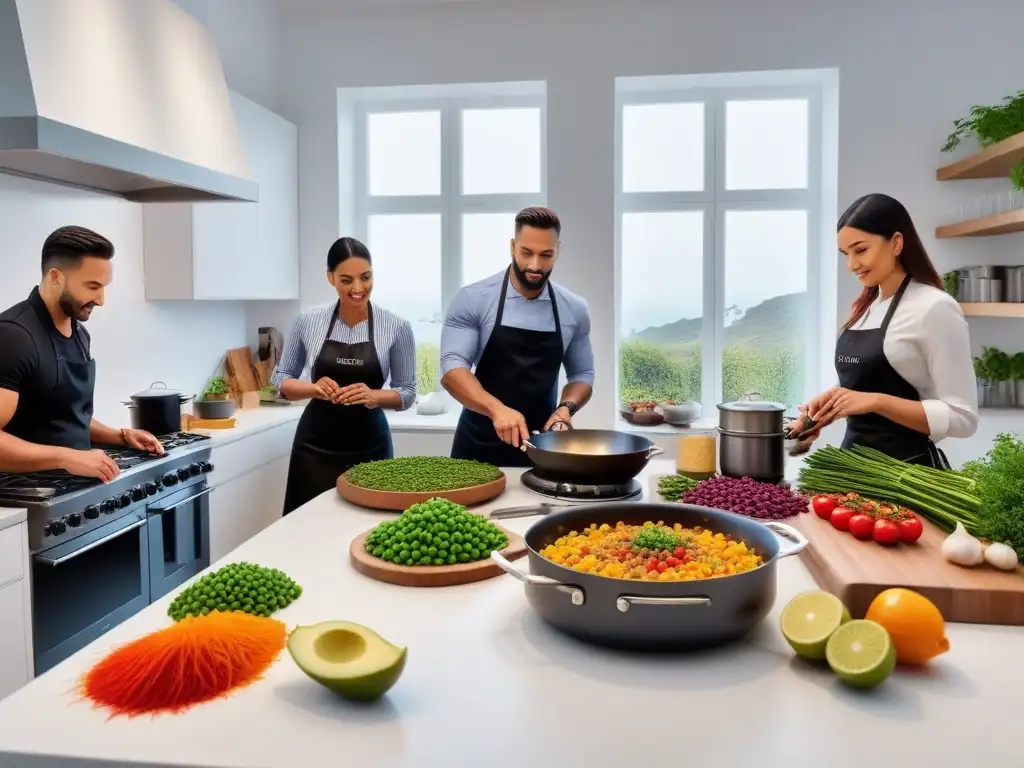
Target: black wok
{"x": 589, "y": 456}
{"x": 653, "y": 615}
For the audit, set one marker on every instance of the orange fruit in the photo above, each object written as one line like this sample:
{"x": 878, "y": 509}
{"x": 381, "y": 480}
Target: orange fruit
{"x": 916, "y": 626}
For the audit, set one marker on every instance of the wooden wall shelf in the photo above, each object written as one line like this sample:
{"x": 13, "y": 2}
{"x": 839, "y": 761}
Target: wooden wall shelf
{"x": 996, "y": 309}
{"x": 999, "y": 224}
{"x": 994, "y": 162}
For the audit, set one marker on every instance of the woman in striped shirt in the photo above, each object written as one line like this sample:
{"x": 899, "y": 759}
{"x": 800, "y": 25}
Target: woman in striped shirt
{"x": 350, "y": 349}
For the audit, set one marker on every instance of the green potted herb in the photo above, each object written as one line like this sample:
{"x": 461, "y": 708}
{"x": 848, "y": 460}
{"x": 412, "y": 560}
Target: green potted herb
{"x": 217, "y": 389}
{"x": 998, "y": 376}
{"x": 1017, "y": 369}
{"x": 990, "y": 125}
{"x": 950, "y": 281}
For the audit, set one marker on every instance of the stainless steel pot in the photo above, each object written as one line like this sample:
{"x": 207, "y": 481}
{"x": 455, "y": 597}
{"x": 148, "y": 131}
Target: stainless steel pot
{"x": 751, "y": 415}
{"x": 157, "y": 409}
{"x": 653, "y": 615}
{"x": 759, "y": 457}
{"x": 589, "y": 456}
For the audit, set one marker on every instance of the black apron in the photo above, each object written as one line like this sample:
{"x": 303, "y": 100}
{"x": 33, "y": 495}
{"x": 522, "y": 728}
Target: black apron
{"x": 62, "y": 415}
{"x": 863, "y": 367}
{"x": 332, "y": 438}
{"x": 520, "y": 368}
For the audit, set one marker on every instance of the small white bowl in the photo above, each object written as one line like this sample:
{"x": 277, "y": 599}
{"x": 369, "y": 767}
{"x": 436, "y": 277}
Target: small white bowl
{"x": 680, "y": 413}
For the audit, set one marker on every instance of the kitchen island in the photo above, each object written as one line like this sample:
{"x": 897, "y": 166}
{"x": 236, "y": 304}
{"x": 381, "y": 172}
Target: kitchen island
{"x": 488, "y": 684}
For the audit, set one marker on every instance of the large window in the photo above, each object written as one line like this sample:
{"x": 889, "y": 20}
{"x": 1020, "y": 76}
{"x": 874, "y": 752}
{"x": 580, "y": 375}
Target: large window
{"x": 437, "y": 185}
{"x": 717, "y": 202}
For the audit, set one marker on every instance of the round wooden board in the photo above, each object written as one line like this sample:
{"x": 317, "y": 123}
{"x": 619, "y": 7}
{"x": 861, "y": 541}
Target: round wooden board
{"x": 399, "y": 501}
{"x": 431, "y": 575}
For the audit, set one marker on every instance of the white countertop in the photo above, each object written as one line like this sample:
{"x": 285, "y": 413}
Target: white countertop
{"x": 487, "y": 683}
{"x": 250, "y": 421}
{"x": 11, "y": 516}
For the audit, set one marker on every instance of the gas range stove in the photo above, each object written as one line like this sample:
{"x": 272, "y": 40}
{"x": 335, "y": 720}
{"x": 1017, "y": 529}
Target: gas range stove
{"x": 62, "y": 506}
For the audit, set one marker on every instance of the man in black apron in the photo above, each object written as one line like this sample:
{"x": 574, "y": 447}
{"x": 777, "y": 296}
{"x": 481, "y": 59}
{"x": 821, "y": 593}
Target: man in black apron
{"x": 331, "y": 438}
{"x": 863, "y": 367}
{"x": 47, "y": 374}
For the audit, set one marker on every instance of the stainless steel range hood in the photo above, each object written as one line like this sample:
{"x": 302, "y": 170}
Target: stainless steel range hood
{"x": 121, "y": 96}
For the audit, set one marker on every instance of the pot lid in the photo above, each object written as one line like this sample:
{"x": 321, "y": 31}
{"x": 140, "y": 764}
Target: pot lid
{"x": 157, "y": 389}
{"x": 753, "y": 402}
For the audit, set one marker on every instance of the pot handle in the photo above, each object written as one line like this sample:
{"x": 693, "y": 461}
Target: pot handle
{"x": 752, "y": 396}
{"x": 655, "y": 450}
{"x": 575, "y": 593}
{"x": 186, "y": 398}
{"x": 624, "y": 602}
{"x": 163, "y": 385}
{"x": 790, "y": 536}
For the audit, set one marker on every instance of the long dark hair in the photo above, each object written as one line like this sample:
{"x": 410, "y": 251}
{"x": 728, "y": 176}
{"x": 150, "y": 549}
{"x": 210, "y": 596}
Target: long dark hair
{"x": 345, "y": 248}
{"x": 881, "y": 215}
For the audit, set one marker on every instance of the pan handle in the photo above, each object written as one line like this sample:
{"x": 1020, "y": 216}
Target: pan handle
{"x": 655, "y": 450}
{"x": 575, "y": 593}
{"x": 792, "y": 540}
{"x": 626, "y": 601}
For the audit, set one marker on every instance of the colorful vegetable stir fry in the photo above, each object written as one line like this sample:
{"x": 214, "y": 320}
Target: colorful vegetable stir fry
{"x": 653, "y": 552}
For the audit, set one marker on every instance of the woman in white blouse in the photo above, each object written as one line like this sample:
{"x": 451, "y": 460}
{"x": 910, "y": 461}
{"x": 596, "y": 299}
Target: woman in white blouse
{"x": 906, "y": 377}
{"x": 350, "y": 349}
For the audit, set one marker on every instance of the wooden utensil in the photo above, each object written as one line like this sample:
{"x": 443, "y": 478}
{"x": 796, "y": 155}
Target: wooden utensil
{"x": 431, "y": 575}
{"x": 400, "y": 501}
{"x": 857, "y": 571}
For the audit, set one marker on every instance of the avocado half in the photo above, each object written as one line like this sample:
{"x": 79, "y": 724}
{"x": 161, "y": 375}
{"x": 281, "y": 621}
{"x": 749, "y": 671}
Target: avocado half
{"x": 349, "y": 659}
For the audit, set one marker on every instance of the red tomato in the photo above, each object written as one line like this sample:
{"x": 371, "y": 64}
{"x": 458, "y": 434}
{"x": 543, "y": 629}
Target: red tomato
{"x": 886, "y": 532}
{"x": 841, "y": 518}
{"x": 910, "y": 530}
{"x": 662, "y": 566}
{"x": 652, "y": 564}
{"x": 823, "y": 506}
{"x": 671, "y": 562}
{"x": 679, "y": 552}
{"x": 584, "y": 550}
{"x": 861, "y": 526}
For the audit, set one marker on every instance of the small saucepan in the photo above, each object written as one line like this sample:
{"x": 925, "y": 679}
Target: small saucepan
{"x": 157, "y": 409}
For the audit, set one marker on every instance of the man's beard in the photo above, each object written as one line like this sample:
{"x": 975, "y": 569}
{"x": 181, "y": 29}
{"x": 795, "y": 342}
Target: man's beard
{"x": 529, "y": 284}
{"x": 73, "y": 308}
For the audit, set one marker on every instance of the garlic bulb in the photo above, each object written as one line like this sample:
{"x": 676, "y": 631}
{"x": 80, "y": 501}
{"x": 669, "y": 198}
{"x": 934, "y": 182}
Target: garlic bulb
{"x": 963, "y": 549}
{"x": 1001, "y": 556}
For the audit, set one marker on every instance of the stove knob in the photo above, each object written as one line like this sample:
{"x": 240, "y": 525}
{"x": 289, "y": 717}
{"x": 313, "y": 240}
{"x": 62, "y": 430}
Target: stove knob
{"x": 183, "y": 473}
{"x": 170, "y": 479}
{"x": 124, "y": 500}
{"x": 138, "y": 493}
{"x": 92, "y": 512}
{"x": 74, "y": 519}
{"x": 57, "y": 527}
{"x": 194, "y": 469}
{"x": 46, "y": 530}
{"x": 152, "y": 488}
{"x": 205, "y": 466}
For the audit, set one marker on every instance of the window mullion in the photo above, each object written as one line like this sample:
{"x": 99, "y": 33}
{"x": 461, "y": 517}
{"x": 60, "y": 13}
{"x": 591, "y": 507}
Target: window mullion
{"x": 451, "y": 222}
{"x": 714, "y": 255}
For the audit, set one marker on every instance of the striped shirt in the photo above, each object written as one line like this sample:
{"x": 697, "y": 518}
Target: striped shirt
{"x": 473, "y": 311}
{"x": 392, "y": 338}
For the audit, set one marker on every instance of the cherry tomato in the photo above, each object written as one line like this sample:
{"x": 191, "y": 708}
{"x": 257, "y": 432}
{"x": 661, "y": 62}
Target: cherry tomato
{"x": 672, "y": 562}
{"x": 679, "y": 552}
{"x": 841, "y": 518}
{"x": 861, "y": 526}
{"x": 910, "y": 530}
{"x": 823, "y": 506}
{"x": 652, "y": 564}
{"x": 886, "y": 532}
{"x": 662, "y": 566}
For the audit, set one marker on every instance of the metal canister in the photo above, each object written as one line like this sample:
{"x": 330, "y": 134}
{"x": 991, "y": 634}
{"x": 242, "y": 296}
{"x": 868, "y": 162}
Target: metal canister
{"x": 752, "y": 442}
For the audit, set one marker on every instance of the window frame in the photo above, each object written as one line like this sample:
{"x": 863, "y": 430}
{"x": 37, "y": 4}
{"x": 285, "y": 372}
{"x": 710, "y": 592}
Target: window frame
{"x": 450, "y": 203}
{"x": 715, "y": 201}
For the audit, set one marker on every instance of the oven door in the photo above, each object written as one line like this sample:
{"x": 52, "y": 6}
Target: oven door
{"x": 85, "y": 586}
{"x": 179, "y": 538}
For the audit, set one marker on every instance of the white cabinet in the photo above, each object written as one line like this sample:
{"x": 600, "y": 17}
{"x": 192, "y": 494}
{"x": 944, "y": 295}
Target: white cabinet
{"x": 15, "y": 611}
{"x": 223, "y": 250}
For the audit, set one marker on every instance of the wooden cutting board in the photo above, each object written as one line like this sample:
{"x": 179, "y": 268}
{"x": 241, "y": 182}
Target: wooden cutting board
{"x": 431, "y": 575}
{"x": 399, "y": 501}
{"x": 857, "y": 571}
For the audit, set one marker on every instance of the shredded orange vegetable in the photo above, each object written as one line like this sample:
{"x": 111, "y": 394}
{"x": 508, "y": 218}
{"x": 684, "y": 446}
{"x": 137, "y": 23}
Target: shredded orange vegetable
{"x": 197, "y": 659}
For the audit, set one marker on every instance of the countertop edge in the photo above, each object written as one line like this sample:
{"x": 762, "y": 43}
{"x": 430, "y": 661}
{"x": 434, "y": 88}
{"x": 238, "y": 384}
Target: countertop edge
{"x": 11, "y": 516}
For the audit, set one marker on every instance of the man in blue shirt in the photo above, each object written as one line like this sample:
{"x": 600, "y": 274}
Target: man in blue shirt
{"x": 504, "y": 342}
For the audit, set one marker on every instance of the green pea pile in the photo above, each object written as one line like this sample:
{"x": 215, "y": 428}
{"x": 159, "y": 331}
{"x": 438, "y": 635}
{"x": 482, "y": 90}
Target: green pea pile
{"x": 244, "y": 587}
{"x": 422, "y": 474}
{"x": 436, "y": 532}
{"x": 672, "y": 487}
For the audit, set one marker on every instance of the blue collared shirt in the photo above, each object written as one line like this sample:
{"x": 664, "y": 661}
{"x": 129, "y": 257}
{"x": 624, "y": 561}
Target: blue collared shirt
{"x": 392, "y": 338}
{"x": 472, "y": 313}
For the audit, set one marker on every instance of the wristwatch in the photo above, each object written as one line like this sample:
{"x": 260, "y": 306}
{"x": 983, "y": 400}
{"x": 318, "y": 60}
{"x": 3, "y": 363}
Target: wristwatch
{"x": 570, "y": 406}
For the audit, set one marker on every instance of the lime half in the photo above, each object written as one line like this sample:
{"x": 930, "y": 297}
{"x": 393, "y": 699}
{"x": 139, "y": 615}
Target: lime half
{"x": 809, "y": 620}
{"x": 861, "y": 653}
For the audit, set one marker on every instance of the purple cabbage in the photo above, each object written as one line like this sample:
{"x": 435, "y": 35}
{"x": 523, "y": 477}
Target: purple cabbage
{"x": 746, "y": 497}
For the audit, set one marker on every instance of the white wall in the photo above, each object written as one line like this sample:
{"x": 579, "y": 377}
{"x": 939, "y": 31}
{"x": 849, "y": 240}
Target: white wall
{"x": 907, "y": 70}
{"x": 137, "y": 342}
